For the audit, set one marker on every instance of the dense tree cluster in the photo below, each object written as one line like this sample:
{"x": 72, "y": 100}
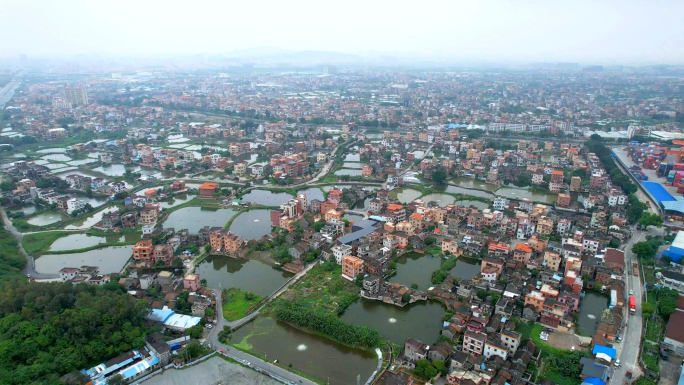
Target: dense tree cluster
{"x": 48, "y": 330}
{"x": 438, "y": 276}
{"x": 567, "y": 364}
{"x": 11, "y": 260}
{"x": 327, "y": 323}
{"x": 635, "y": 208}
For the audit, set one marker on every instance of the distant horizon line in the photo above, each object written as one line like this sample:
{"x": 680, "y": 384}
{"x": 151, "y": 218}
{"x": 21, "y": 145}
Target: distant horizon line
{"x": 272, "y": 55}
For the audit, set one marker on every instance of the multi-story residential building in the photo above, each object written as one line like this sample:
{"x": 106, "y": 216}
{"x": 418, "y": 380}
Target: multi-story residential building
{"x": 511, "y": 340}
{"x": 240, "y": 168}
{"x": 76, "y": 96}
{"x": 575, "y": 183}
{"x": 414, "y": 350}
{"x": 552, "y": 259}
{"x": 535, "y": 299}
{"x": 351, "y": 267}
{"x": 563, "y": 200}
{"x": 74, "y": 204}
{"x": 340, "y": 251}
{"x": 163, "y": 253}
{"x": 143, "y": 251}
{"x": 494, "y": 347}
{"x": 396, "y": 212}
{"x": 557, "y": 176}
{"x": 537, "y": 178}
{"x": 149, "y": 214}
{"x": 564, "y": 226}
{"x": 616, "y": 197}
{"x": 522, "y": 253}
{"x": 224, "y": 241}
{"x": 473, "y": 342}
{"x": 552, "y": 313}
{"x": 590, "y": 245}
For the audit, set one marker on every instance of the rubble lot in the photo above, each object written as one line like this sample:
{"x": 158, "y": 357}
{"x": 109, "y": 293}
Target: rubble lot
{"x": 563, "y": 340}
{"x": 213, "y": 371}
{"x": 669, "y": 370}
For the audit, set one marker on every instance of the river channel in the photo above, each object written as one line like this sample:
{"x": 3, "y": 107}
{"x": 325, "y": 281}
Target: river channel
{"x": 310, "y": 354}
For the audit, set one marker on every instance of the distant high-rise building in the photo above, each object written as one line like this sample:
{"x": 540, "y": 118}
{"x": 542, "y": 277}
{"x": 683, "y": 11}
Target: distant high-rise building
{"x": 76, "y": 95}
{"x": 23, "y": 60}
{"x": 330, "y": 70}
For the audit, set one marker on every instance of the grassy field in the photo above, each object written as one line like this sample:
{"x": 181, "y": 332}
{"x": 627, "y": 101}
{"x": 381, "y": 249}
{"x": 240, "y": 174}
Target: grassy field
{"x": 236, "y": 303}
{"x": 39, "y": 243}
{"x": 323, "y": 288}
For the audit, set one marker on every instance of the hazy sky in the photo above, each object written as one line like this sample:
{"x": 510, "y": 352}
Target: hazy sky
{"x": 620, "y": 31}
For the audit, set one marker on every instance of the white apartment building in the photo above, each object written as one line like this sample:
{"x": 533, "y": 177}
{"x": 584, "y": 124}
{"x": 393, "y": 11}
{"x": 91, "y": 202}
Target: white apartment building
{"x": 341, "y": 251}
{"x": 74, "y": 204}
{"x": 501, "y": 203}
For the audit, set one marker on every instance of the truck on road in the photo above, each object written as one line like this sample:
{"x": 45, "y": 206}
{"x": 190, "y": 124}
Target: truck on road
{"x": 635, "y": 269}
{"x": 632, "y": 304}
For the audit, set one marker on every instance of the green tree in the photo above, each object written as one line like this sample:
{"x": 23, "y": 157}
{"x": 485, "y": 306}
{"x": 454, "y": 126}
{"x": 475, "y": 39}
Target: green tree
{"x": 405, "y": 298}
{"x": 648, "y": 219}
{"x": 194, "y": 349}
{"x": 439, "y": 176}
{"x": 116, "y": 379}
{"x": 429, "y": 241}
{"x": 319, "y": 225}
{"x": 425, "y": 369}
{"x": 614, "y": 243}
{"x": 643, "y": 250}
{"x": 195, "y": 332}
{"x": 647, "y": 309}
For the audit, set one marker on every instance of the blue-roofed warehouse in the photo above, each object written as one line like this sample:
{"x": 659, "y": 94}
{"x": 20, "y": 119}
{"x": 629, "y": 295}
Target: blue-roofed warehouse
{"x": 676, "y": 250}
{"x": 658, "y": 192}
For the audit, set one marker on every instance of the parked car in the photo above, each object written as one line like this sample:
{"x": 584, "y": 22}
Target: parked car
{"x": 631, "y": 292}
{"x": 617, "y": 363}
{"x": 548, "y": 330}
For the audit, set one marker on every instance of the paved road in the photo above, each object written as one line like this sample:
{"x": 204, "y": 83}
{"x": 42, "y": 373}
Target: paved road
{"x": 256, "y": 362}
{"x": 29, "y": 269}
{"x": 628, "y": 348}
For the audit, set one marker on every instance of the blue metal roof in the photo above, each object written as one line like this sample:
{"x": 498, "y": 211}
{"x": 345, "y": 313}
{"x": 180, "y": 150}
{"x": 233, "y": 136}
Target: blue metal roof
{"x": 593, "y": 381}
{"x": 658, "y": 191}
{"x": 675, "y": 205}
{"x": 610, "y": 352}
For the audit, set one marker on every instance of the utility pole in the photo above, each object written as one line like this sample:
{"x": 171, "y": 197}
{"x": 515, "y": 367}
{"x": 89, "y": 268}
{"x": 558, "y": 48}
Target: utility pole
{"x": 358, "y": 379}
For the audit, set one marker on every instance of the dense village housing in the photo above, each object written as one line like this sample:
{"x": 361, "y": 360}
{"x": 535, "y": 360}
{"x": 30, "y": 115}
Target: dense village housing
{"x": 427, "y": 227}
